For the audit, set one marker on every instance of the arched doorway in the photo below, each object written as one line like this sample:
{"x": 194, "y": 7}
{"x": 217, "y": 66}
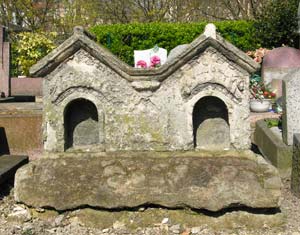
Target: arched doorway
{"x": 81, "y": 124}
{"x": 210, "y": 124}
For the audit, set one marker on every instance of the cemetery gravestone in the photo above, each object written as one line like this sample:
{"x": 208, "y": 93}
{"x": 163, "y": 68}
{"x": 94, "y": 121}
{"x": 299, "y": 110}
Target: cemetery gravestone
{"x": 291, "y": 108}
{"x": 277, "y": 64}
{"x": 295, "y": 179}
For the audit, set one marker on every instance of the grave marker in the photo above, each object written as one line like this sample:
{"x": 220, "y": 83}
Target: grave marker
{"x": 291, "y": 107}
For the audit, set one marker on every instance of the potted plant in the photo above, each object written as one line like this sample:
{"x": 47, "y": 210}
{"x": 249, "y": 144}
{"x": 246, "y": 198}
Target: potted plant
{"x": 262, "y": 96}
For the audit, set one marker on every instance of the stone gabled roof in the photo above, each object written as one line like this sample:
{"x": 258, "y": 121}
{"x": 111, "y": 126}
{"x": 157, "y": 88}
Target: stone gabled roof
{"x": 81, "y": 39}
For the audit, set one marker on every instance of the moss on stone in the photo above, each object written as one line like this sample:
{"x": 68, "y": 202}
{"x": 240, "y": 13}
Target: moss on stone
{"x": 147, "y": 129}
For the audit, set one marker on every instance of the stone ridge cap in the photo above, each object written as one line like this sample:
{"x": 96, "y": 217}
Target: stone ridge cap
{"x": 80, "y": 30}
{"x": 85, "y": 40}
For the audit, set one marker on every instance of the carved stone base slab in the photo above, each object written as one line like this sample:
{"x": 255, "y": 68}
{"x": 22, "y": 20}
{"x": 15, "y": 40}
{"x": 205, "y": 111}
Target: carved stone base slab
{"x": 199, "y": 180}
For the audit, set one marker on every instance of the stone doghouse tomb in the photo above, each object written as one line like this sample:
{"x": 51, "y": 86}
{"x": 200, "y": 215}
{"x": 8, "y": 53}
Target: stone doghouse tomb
{"x": 94, "y": 101}
{"x": 174, "y": 136}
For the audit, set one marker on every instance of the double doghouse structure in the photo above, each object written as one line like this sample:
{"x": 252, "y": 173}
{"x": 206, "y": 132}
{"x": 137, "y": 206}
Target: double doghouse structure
{"x": 116, "y": 137}
{"x": 94, "y": 101}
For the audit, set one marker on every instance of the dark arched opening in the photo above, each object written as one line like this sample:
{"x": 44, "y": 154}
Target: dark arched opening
{"x": 210, "y": 124}
{"x": 81, "y": 124}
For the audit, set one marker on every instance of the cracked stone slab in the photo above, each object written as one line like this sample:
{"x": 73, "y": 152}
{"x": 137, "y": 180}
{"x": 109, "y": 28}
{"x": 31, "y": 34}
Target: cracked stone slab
{"x": 197, "y": 180}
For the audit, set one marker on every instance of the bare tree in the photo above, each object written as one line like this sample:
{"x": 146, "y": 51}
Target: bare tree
{"x": 32, "y": 15}
{"x": 233, "y": 9}
{"x": 116, "y": 11}
{"x": 63, "y": 15}
{"x": 152, "y": 10}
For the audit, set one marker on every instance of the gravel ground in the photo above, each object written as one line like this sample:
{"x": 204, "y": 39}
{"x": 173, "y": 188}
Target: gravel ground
{"x": 17, "y": 219}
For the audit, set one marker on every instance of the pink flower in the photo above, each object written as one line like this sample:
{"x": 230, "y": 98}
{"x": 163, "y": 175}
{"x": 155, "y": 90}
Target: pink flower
{"x": 155, "y": 61}
{"x": 141, "y": 64}
{"x": 258, "y": 59}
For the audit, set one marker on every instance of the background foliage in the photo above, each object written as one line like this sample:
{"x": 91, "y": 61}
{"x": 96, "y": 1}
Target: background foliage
{"x": 62, "y": 15}
{"x": 265, "y": 23}
{"x": 28, "y": 48}
{"x": 123, "y": 39}
{"x": 277, "y": 24}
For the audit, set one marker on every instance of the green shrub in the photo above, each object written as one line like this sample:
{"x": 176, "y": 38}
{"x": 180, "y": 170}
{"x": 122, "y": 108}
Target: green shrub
{"x": 28, "y": 48}
{"x": 274, "y": 122}
{"x": 240, "y": 33}
{"x": 277, "y": 25}
{"x": 123, "y": 39}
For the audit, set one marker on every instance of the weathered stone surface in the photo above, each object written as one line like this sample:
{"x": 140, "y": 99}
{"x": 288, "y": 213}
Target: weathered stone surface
{"x": 291, "y": 107}
{"x": 145, "y": 85}
{"x": 213, "y": 133}
{"x": 177, "y": 51}
{"x": 295, "y": 179}
{"x": 119, "y": 180}
{"x": 273, "y": 148}
{"x": 132, "y": 120}
{"x": 148, "y": 109}
{"x": 9, "y": 165}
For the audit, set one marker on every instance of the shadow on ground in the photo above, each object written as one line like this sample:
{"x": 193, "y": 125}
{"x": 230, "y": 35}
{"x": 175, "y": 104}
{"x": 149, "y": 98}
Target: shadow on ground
{"x": 6, "y": 188}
